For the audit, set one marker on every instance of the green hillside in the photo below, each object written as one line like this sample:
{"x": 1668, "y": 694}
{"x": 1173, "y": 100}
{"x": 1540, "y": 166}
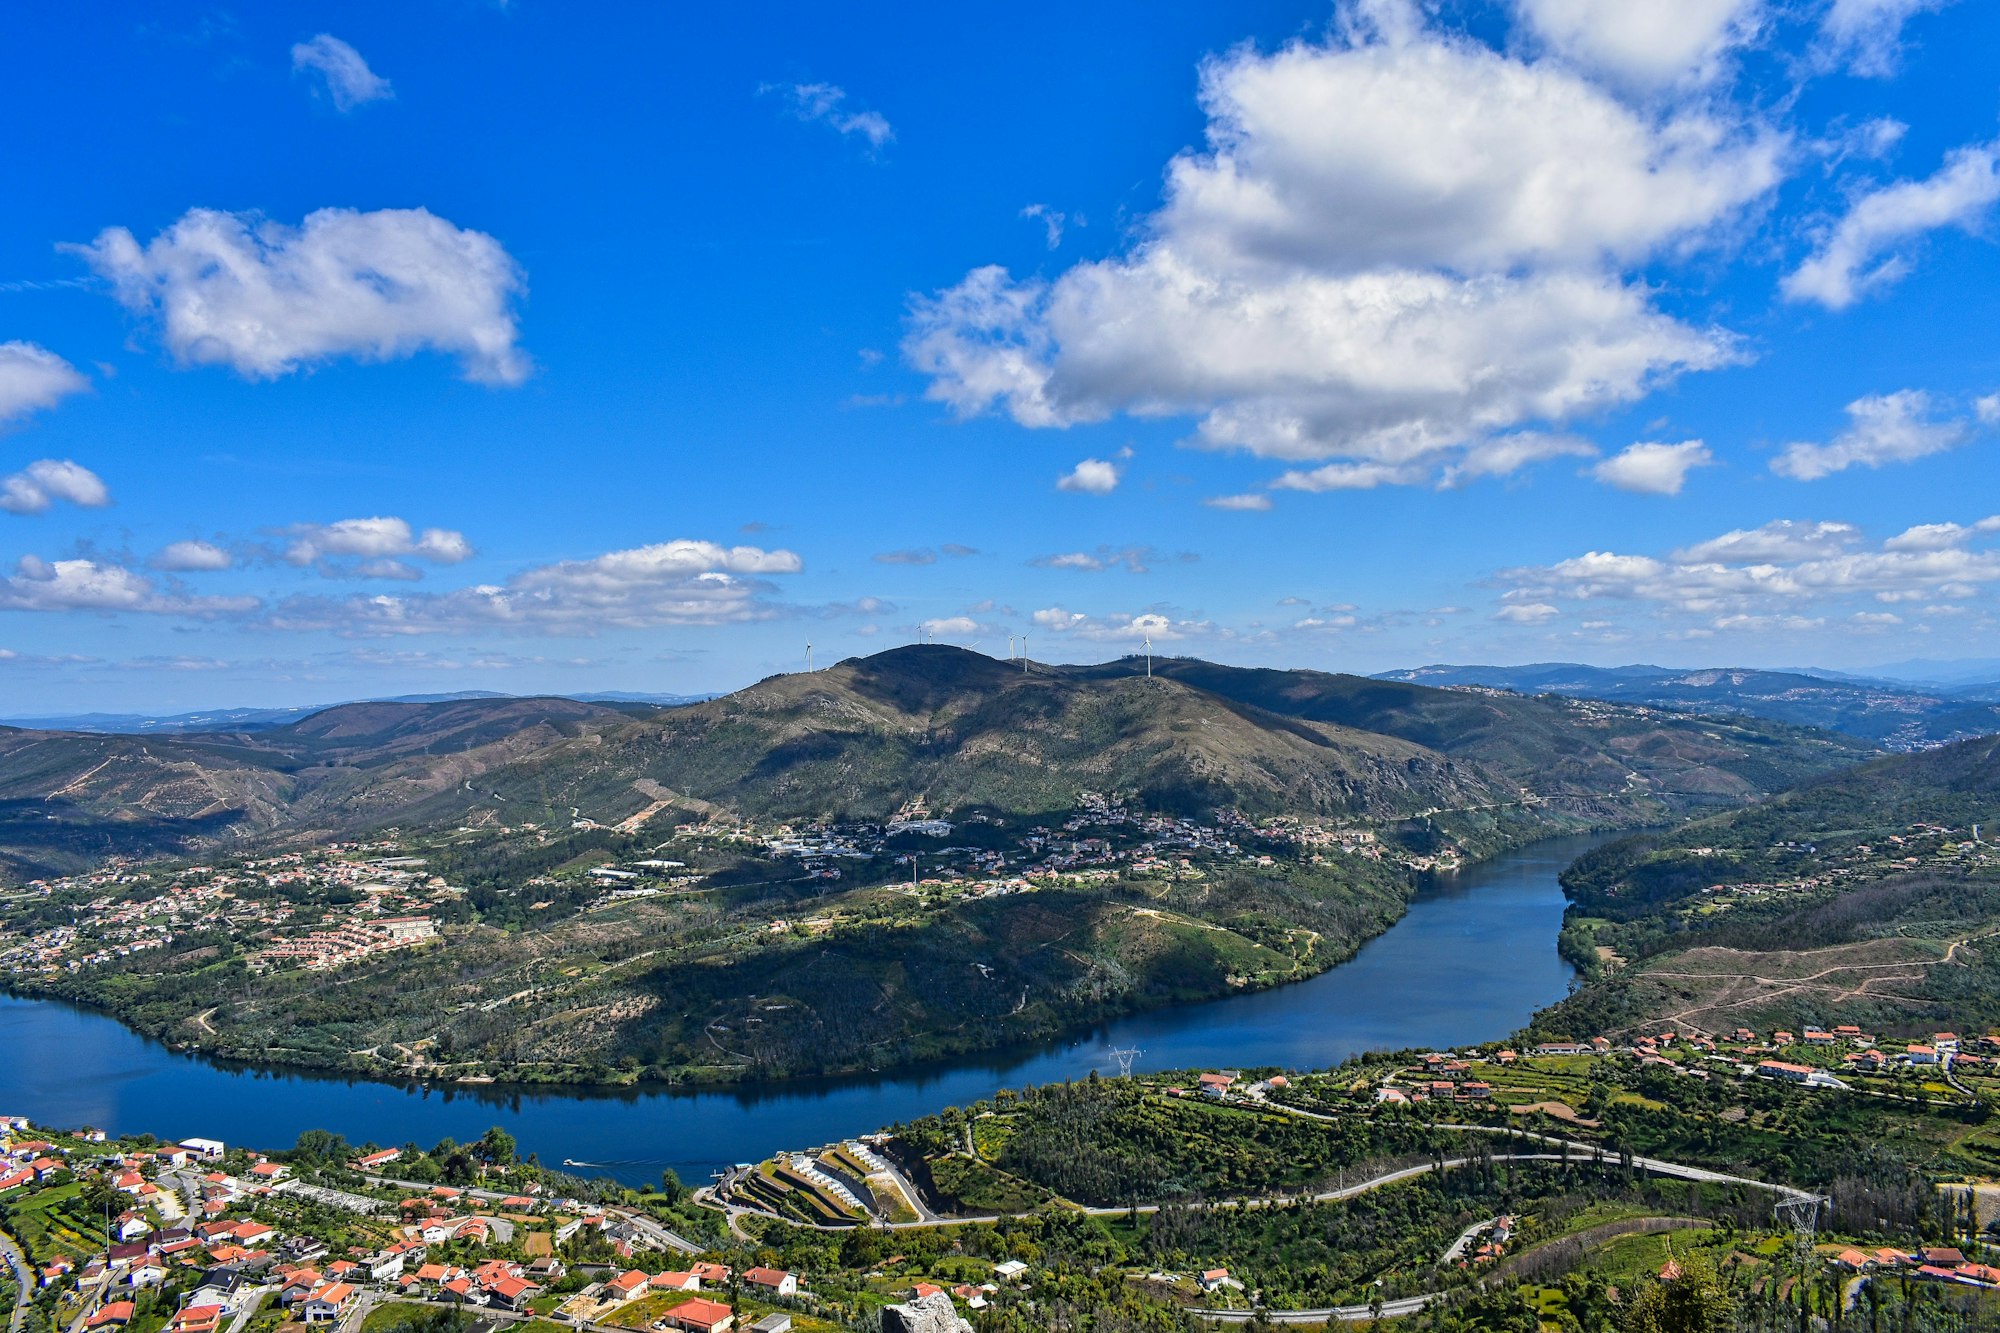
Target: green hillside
{"x": 1862, "y": 897}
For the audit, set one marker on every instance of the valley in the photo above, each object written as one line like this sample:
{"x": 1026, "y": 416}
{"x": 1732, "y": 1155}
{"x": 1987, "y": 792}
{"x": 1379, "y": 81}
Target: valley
{"x": 922, "y": 854}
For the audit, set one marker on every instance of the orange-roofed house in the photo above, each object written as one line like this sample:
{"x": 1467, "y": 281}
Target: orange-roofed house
{"x": 773, "y": 1280}
{"x": 327, "y": 1304}
{"x": 672, "y": 1281}
{"x": 512, "y": 1292}
{"x": 112, "y": 1314}
{"x": 627, "y": 1285}
{"x": 197, "y": 1319}
{"x": 701, "y": 1316}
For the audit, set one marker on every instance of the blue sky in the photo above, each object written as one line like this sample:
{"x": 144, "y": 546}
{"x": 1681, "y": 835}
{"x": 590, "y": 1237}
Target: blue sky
{"x": 376, "y": 348}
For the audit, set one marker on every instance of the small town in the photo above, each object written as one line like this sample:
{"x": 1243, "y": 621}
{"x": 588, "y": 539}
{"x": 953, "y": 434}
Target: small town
{"x": 199, "y": 1236}
{"x": 345, "y": 903}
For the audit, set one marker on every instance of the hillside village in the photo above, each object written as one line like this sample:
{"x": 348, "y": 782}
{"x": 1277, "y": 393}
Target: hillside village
{"x": 198, "y": 1236}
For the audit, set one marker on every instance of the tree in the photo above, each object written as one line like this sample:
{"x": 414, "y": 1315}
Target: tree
{"x": 1689, "y": 1298}
{"x": 671, "y": 1186}
{"x": 321, "y": 1147}
{"x": 495, "y": 1147}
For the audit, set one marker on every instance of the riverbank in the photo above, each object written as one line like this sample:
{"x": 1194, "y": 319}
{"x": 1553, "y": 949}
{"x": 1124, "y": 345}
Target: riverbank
{"x": 1491, "y": 930}
{"x": 913, "y": 984}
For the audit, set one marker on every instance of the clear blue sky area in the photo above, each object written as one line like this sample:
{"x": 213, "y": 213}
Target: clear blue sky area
{"x": 372, "y": 348}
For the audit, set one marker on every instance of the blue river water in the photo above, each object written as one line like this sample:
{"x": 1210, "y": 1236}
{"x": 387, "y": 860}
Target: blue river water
{"x": 1472, "y": 959}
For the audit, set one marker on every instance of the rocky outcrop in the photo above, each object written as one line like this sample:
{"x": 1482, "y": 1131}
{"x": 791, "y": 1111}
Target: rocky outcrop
{"x": 927, "y": 1314}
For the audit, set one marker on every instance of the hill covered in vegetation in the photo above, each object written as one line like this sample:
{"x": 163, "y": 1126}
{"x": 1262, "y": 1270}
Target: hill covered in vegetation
{"x": 953, "y": 728}
{"x": 1869, "y": 897}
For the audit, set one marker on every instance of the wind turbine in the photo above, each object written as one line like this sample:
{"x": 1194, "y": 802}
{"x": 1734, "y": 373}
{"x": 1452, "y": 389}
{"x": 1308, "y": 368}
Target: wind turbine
{"x": 809, "y": 659}
{"x": 1024, "y": 654}
{"x": 1149, "y": 657}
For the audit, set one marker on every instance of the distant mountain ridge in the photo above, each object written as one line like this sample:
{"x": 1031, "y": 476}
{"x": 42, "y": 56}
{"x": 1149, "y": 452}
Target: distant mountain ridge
{"x": 1893, "y": 715}
{"x": 265, "y": 719}
{"x": 861, "y": 739}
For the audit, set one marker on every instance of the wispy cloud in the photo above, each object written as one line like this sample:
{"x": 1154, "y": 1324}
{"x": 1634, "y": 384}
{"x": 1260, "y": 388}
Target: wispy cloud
{"x": 341, "y": 71}
{"x": 33, "y": 379}
{"x": 1882, "y": 428}
{"x": 827, "y": 104}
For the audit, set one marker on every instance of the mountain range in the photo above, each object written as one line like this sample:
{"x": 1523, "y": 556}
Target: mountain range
{"x": 265, "y": 719}
{"x": 1888, "y": 713}
{"x": 860, "y": 739}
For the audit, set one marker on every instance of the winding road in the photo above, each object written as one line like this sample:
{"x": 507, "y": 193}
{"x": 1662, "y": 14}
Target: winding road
{"x": 1565, "y": 1150}
{"x": 24, "y": 1281}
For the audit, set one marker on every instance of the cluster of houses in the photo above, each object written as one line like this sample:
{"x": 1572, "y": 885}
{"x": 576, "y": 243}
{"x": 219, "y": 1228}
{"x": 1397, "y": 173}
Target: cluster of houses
{"x": 347, "y": 942}
{"x": 1865, "y": 1053}
{"x": 1938, "y": 1263}
{"x": 1436, "y": 1077}
{"x": 129, "y": 911}
{"x": 697, "y": 1315}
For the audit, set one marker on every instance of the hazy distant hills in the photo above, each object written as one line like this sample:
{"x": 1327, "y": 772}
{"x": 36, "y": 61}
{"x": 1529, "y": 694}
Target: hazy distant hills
{"x": 1888, "y": 713}
{"x": 264, "y": 719}
{"x": 964, "y": 731}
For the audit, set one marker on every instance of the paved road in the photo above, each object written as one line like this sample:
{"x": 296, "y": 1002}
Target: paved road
{"x": 24, "y": 1281}
{"x": 1347, "y": 1314}
{"x": 1566, "y": 1150}
{"x": 658, "y": 1235}
{"x": 1575, "y": 1152}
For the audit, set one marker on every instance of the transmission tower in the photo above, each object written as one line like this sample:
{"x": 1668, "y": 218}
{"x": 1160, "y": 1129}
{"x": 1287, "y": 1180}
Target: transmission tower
{"x": 1125, "y": 1055}
{"x": 1802, "y": 1214}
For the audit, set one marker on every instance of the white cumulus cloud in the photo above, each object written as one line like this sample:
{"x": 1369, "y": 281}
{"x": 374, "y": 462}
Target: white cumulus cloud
{"x": 682, "y": 582}
{"x": 1398, "y": 245}
{"x": 43, "y": 482}
{"x": 1119, "y": 627}
{"x": 373, "y": 547}
{"x": 346, "y": 76}
{"x": 191, "y": 557}
{"x": 1652, "y": 468}
{"x": 1859, "y": 254}
{"x": 1527, "y": 613}
{"x": 1780, "y": 540}
{"x": 94, "y": 585}
{"x": 1644, "y": 43}
{"x": 1093, "y": 476}
{"x": 265, "y": 299}
{"x": 1786, "y": 575}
